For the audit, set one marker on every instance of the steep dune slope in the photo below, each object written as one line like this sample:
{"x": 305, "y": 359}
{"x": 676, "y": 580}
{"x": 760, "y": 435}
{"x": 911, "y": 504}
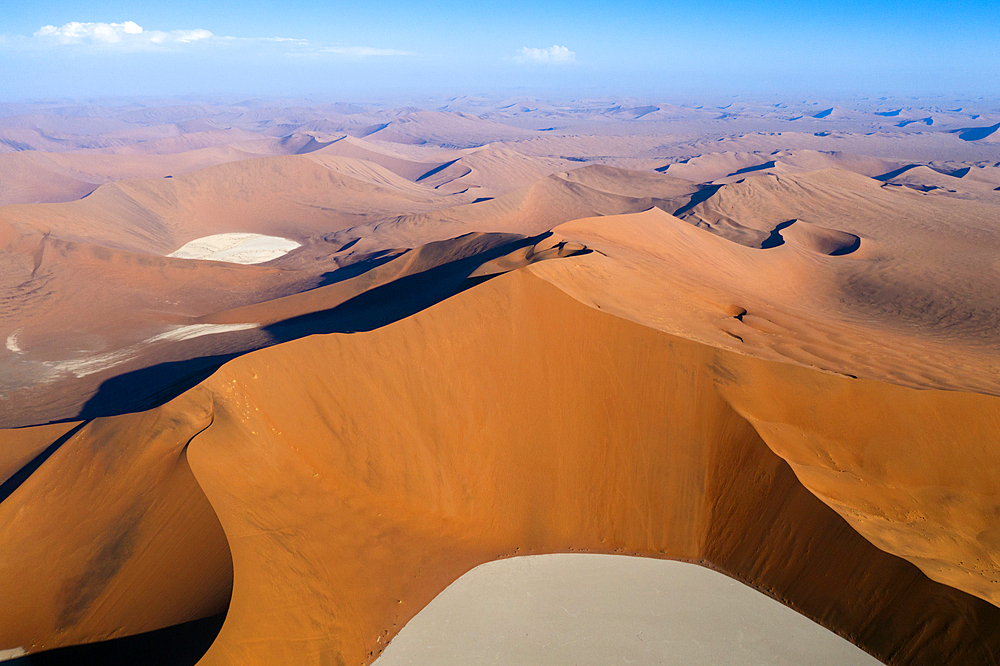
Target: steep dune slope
{"x": 352, "y": 487}
{"x": 791, "y": 303}
{"x": 114, "y": 536}
{"x": 827, "y": 269}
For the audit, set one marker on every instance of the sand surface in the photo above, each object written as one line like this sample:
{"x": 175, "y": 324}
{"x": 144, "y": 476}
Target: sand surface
{"x": 762, "y": 337}
{"x": 601, "y": 609}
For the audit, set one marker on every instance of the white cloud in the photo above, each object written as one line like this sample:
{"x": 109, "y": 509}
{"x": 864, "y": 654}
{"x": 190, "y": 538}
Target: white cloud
{"x": 126, "y": 34}
{"x": 129, "y": 36}
{"x": 554, "y": 55}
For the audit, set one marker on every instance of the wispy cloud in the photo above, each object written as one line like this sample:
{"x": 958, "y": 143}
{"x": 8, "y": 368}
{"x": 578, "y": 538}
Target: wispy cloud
{"x": 554, "y": 55}
{"x": 129, "y": 36}
{"x": 126, "y": 34}
{"x": 362, "y": 51}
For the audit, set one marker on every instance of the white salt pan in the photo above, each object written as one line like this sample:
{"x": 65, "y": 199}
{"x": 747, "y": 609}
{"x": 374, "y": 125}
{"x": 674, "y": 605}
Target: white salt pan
{"x": 595, "y": 610}
{"x": 236, "y": 248}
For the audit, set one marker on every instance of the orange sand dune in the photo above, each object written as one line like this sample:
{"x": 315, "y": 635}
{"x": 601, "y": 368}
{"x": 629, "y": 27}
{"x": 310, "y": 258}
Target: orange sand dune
{"x": 288, "y": 196}
{"x": 139, "y": 547}
{"x": 352, "y": 488}
{"x": 753, "y": 349}
{"x": 349, "y": 146}
{"x": 730, "y": 166}
{"x": 820, "y": 269}
{"x": 491, "y": 170}
{"x": 37, "y": 177}
{"x": 55, "y": 252}
{"x": 924, "y": 179}
{"x": 594, "y": 190}
{"x": 34, "y": 177}
{"x": 159, "y": 321}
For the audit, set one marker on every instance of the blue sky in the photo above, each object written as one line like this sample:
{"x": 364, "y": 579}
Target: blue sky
{"x": 363, "y": 50}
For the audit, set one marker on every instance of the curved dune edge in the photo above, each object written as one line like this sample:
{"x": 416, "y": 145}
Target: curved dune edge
{"x": 604, "y": 609}
{"x": 112, "y": 535}
{"x": 353, "y": 488}
{"x": 645, "y": 457}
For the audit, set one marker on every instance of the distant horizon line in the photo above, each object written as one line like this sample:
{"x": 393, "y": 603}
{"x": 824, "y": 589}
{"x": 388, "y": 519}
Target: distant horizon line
{"x": 539, "y": 95}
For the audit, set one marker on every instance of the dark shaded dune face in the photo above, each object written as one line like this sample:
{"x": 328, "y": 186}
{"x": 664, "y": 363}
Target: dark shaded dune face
{"x": 810, "y": 237}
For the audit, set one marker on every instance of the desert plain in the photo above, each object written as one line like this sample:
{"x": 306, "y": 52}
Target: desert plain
{"x": 276, "y": 374}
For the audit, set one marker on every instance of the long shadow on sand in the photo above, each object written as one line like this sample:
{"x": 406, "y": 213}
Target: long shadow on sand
{"x": 698, "y": 197}
{"x": 155, "y": 385}
{"x": 20, "y": 476}
{"x": 146, "y": 388}
{"x": 179, "y": 645}
{"x": 395, "y": 300}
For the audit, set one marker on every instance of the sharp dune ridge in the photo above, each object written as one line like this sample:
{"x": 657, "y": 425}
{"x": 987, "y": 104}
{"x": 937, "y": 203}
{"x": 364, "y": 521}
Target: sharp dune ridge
{"x": 487, "y": 330}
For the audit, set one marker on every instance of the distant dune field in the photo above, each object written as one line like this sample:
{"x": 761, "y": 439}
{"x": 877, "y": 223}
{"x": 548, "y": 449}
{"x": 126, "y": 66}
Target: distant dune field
{"x": 296, "y": 371}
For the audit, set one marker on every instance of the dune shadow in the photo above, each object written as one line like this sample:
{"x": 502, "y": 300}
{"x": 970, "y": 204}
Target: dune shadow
{"x": 398, "y": 299}
{"x": 698, "y": 197}
{"x": 155, "y": 385}
{"x": 889, "y": 175}
{"x": 435, "y": 170}
{"x": 151, "y": 387}
{"x": 775, "y": 238}
{"x": 179, "y": 645}
{"x": 751, "y": 169}
{"x": 927, "y": 121}
{"x": 15, "y": 480}
{"x": 976, "y": 133}
{"x": 357, "y": 268}
{"x": 852, "y": 247}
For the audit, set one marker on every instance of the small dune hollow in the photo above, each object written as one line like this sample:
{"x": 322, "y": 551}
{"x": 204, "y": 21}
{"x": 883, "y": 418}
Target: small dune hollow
{"x": 815, "y": 238}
